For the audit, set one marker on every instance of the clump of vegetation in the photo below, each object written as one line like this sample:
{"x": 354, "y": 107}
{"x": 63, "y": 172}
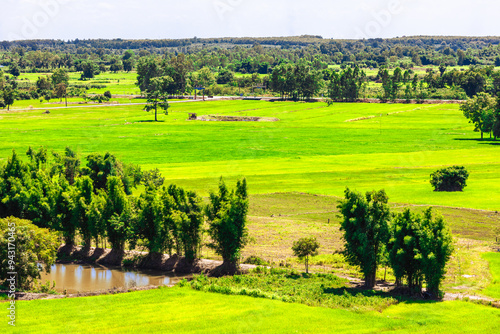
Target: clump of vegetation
{"x": 324, "y": 290}
{"x": 255, "y": 260}
{"x": 419, "y": 249}
{"x": 305, "y": 247}
{"x": 226, "y": 215}
{"x": 450, "y": 179}
{"x": 33, "y": 246}
{"x": 366, "y": 230}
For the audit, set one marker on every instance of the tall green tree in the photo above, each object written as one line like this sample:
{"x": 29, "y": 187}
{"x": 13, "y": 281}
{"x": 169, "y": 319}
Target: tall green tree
{"x": 227, "y": 216}
{"x": 480, "y": 111}
{"x": 365, "y": 227}
{"x": 157, "y": 95}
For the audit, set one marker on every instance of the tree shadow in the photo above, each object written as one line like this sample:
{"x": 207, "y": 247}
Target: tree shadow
{"x": 152, "y": 121}
{"x": 485, "y": 141}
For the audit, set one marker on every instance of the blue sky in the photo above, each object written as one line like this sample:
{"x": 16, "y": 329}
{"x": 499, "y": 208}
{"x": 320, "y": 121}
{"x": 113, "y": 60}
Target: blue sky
{"x": 70, "y": 19}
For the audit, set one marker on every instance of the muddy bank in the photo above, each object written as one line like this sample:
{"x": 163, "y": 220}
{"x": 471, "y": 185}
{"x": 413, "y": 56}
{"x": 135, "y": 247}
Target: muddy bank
{"x": 34, "y": 296}
{"x": 141, "y": 260}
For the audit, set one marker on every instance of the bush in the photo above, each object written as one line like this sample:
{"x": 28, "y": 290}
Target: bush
{"x": 107, "y": 94}
{"x": 33, "y": 245}
{"x": 256, "y": 261}
{"x": 450, "y": 179}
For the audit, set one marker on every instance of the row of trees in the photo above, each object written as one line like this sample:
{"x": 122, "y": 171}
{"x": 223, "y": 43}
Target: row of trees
{"x": 483, "y": 110}
{"x": 298, "y": 81}
{"x": 253, "y": 55}
{"x": 95, "y": 203}
{"x": 416, "y": 246}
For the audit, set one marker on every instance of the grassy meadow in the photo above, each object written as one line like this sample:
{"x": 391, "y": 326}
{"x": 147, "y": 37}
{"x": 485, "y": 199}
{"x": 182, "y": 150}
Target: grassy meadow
{"x": 297, "y": 169}
{"x": 182, "y": 310}
{"x": 311, "y": 149}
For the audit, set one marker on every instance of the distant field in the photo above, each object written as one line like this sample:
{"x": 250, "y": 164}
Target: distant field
{"x": 312, "y": 149}
{"x": 181, "y": 310}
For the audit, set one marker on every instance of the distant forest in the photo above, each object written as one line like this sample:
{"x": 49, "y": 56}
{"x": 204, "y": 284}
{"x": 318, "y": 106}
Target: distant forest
{"x": 256, "y": 55}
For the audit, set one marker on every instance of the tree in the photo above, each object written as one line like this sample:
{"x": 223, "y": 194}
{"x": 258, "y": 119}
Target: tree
{"x": 9, "y": 95}
{"x": 61, "y": 91}
{"x": 89, "y": 69}
{"x": 82, "y": 199}
{"x": 34, "y": 246}
{"x": 226, "y": 214}
{"x": 450, "y": 179}
{"x": 365, "y": 227}
{"x": 480, "y": 110}
{"x": 305, "y": 247}
{"x": 436, "y": 249}
{"x": 157, "y": 95}
{"x": 14, "y": 69}
{"x": 60, "y": 76}
{"x": 147, "y": 69}
{"x": 117, "y": 214}
{"x": 405, "y": 255}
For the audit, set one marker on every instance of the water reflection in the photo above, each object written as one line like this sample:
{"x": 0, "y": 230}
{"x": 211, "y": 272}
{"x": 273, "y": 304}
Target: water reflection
{"x": 85, "y": 278}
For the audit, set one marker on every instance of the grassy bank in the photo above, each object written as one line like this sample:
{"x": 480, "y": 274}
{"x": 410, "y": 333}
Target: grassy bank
{"x": 182, "y": 310}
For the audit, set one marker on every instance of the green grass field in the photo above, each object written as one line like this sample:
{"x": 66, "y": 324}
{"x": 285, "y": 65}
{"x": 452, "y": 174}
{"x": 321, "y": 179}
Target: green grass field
{"x": 493, "y": 290}
{"x": 182, "y": 310}
{"x": 311, "y": 149}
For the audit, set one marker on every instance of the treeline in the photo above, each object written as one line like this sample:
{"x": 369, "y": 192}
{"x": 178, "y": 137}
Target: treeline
{"x": 95, "y": 204}
{"x": 416, "y": 246}
{"x": 254, "y": 55}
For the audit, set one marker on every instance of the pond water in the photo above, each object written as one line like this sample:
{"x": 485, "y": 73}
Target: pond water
{"x": 87, "y": 278}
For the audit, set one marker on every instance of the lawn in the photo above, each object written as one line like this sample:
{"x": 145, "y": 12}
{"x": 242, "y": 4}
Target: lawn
{"x": 182, "y": 310}
{"x": 493, "y": 290}
{"x": 312, "y": 148}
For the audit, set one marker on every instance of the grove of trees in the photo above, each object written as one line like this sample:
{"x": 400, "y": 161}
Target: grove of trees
{"x": 417, "y": 246}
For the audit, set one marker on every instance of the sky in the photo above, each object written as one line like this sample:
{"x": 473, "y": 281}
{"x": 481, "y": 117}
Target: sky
{"x": 155, "y": 19}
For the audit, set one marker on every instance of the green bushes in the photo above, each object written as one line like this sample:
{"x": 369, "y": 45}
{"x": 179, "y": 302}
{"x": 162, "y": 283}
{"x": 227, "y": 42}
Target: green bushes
{"x": 324, "y": 290}
{"x": 450, "y": 179}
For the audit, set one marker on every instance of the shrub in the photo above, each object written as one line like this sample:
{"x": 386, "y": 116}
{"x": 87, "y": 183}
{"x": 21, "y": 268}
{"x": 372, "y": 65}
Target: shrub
{"x": 33, "y": 245}
{"x": 256, "y": 261}
{"x": 107, "y": 94}
{"x": 450, "y": 179}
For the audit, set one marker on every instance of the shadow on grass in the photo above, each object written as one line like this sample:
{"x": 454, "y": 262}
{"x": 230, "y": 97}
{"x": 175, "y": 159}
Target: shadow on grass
{"x": 152, "y": 121}
{"x": 402, "y": 298}
{"x": 485, "y": 141}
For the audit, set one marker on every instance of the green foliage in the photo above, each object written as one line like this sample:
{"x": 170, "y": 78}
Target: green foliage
{"x": 226, "y": 214}
{"x": 325, "y": 290}
{"x": 450, "y": 179}
{"x": 436, "y": 246}
{"x": 157, "y": 95}
{"x": 365, "y": 227}
{"x": 255, "y": 260}
{"x": 32, "y": 246}
{"x": 480, "y": 111}
{"x": 419, "y": 248}
{"x": 346, "y": 85}
{"x": 405, "y": 255}
{"x": 305, "y": 247}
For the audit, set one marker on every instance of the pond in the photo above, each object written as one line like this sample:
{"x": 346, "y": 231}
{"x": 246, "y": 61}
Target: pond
{"x": 76, "y": 278}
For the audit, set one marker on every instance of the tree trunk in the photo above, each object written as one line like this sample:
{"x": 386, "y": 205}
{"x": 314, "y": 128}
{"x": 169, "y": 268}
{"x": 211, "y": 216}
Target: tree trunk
{"x": 307, "y": 266}
{"x": 370, "y": 280}
{"x": 156, "y": 119}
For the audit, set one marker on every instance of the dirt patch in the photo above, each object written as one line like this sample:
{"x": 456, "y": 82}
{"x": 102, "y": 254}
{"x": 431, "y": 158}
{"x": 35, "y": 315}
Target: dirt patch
{"x": 219, "y": 118}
